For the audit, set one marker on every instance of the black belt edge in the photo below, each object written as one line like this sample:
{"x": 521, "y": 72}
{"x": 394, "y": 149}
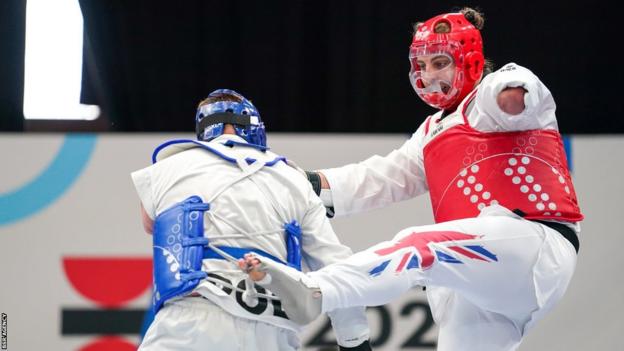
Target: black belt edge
{"x": 564, "y": 230}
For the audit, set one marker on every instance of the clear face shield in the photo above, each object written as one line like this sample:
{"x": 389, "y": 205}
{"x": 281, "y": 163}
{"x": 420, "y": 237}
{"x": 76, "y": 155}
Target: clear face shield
{"x": 434, "y": 74}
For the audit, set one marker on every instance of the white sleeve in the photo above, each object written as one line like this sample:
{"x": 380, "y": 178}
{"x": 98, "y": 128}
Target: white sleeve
{"x": 320, "y": 247}
{"x": 142, "y": 180}
{"x": 539, "y": 112}
{"x": 379, "y": 181}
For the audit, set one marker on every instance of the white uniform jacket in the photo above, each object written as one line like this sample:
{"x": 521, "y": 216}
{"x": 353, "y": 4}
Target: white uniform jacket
{"x": 400, "y": 175}
{"x": 249, "y": 206}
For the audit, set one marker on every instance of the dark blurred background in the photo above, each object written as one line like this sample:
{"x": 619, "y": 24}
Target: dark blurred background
{"x": 310, "y": 66}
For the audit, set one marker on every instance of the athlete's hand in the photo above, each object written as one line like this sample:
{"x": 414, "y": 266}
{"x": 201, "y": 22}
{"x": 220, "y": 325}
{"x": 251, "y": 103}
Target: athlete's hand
{"x": 249, "y": 265}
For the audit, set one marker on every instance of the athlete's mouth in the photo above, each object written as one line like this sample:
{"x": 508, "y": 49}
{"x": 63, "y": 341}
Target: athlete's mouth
{"x": 445, "y": 87}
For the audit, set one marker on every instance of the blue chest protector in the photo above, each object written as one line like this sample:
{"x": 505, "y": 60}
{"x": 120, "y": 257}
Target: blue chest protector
{"x": 178, "y": 250}
{"x": 180, "y": 247}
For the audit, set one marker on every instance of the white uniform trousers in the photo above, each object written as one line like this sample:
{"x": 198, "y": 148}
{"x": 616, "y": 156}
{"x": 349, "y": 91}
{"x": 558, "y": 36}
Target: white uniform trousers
{"x": 196, "y": 324}
{"x": 488, "y": 279}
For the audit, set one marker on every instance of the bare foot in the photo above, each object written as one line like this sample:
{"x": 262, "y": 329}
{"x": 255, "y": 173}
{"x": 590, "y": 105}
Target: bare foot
{"x": 249, "y": 264}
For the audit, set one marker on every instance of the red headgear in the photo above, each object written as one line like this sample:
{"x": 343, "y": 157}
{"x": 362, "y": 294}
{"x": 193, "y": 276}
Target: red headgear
{"x": 463, "y": 44}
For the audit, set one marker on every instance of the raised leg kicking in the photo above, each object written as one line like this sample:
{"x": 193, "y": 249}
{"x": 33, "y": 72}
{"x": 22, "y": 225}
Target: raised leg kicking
{"x": 498, "y": 269}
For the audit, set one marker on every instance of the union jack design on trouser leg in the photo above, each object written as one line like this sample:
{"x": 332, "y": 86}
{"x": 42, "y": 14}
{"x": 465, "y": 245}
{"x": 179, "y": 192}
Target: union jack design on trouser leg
{"x": 498, "y": 271}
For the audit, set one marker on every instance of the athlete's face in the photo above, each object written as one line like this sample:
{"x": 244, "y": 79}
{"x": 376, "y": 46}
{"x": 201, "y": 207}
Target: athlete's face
{"x": 436, "y": 68}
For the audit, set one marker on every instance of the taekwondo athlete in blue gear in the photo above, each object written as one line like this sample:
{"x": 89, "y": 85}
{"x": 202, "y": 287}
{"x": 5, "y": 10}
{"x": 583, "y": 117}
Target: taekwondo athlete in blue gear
{"x": 210, "y": 201}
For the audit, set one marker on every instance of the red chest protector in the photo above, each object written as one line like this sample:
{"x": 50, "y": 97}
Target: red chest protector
{"x": 527, "y": 170}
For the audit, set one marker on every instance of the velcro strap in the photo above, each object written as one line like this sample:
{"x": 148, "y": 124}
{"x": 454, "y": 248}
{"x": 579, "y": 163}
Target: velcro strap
{"x": 201, "y": 241}
{"x": 293, "y": 244}
{"x": 196, "y": 207}
{"x": 193, "y": 275}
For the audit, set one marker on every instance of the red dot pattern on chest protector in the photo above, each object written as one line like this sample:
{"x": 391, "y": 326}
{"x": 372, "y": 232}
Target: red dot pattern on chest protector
{"x": 468, "y": 170}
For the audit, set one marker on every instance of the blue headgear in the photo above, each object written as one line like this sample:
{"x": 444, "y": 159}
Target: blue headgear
{"x": 242, "y": 114}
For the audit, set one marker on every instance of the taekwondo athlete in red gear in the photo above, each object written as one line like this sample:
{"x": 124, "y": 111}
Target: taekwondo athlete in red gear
{"x": 503, "y": 247}
{"x": 207, "y": 202}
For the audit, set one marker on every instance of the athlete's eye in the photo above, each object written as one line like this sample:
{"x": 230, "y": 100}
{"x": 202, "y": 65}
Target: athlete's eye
{"x": 441, "y": 63}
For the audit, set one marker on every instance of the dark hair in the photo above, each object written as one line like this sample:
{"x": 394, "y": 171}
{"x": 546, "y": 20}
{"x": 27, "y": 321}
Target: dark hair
{"x": 220, "y": 97}
{"x": 473, "y": 16}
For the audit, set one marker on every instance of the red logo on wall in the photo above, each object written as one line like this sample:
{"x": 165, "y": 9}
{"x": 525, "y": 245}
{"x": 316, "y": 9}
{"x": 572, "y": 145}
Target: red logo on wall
{"x": 110, "y": 283}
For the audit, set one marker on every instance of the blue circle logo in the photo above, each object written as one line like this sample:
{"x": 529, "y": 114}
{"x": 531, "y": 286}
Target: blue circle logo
{"x": 50, "y": 184}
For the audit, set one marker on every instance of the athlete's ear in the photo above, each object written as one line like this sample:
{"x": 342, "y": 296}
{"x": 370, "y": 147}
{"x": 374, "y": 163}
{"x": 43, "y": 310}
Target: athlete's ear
{"x": 475, "y": 63}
